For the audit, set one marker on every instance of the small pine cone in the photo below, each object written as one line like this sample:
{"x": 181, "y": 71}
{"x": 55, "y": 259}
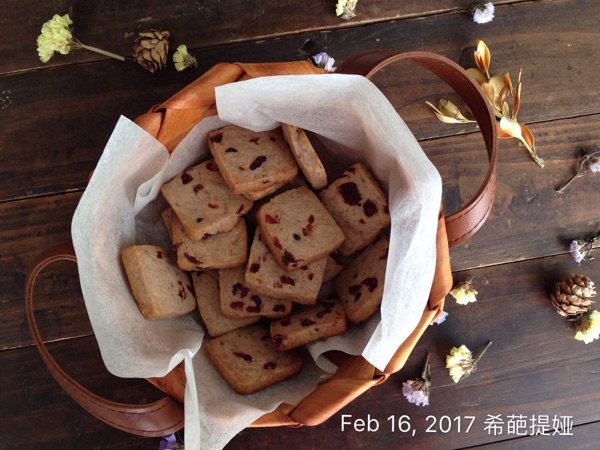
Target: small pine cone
{"x": 151, "y": 49}
{"x": 573, "y": 296}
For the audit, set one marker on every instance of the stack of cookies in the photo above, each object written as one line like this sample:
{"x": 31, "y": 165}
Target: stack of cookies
{"x": 256, "y": 270}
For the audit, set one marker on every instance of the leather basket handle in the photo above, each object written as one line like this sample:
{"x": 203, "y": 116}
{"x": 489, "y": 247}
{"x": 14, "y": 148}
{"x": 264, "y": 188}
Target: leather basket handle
{"x": 155, "y": 419}
{"x": 465, "y": 222}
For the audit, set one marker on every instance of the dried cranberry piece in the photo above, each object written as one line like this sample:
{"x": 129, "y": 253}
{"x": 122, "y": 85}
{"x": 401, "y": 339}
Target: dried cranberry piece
{"x": 296, "y": 236}
{"x": 270, "y": 365}
{"x": 217, "y": 137}
{"x": 270, "y": 219}
{"x": 191, "y": 258}
{"x": 350, "y": 193}
{"x": 276, "y": 243}
{"x": 310, "y": 276}
{"x": 175, "y": 247}
{"x": 361, "y": 220}
{"x": 181, "y": 293}
{"x": 257, "y": 304}
{"x": 159, "y": 254}
{"x": 212, "y": 166}
{"x": 236, "y": 305}
{"x": 213, "y": 205}
{"x": 288, "y": 258}
{"x": 355, "y": 291}
{"x": 287, "y": 280}
{"x": 206, "y": 236}
{"x": 254, "y": 267}
{"x": 199, "y": 219}
{"x": 240, "y": 209}
{"x": 198, "y": 188}
{"x": 186, "y": 177}
{"x": 244, "y": 356}
{"x": 277, "y": 338}
{"x": 284, "y": 322}
{"x": 257, "y": 162}
{"x": 307, "y": 322}
{"x": 279, "y": 308}
{"x": 311, "y": 219}
{"x": 370, "y": 282}
{"x": 231, "y": 150}
{"x": 236, "y": 287}
{"x": 254, "y": 140}
{"x": 369, "y": 208}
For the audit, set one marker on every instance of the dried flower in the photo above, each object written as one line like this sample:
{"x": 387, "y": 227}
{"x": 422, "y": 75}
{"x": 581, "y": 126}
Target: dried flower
{"x": 324, "y": 61}
{"x": 345, "y": 9}
{"x": 440, "y": 319}
{"x": 56, "y": 36}
{"x": 464, "y": 292}
{"x": 581, "y": 248}
{"x": 460, "y": 362}
{"x": 417, "y": 390}
{"x": 448, "y": 112}
{"x": 183, "y": 59}
{"x": 588, "y": 327}
{"x": 483, "y": 12}
{"x": 501, "y": 94}
{"x": 589, "y": 161}
{"x": 170, "y": 442}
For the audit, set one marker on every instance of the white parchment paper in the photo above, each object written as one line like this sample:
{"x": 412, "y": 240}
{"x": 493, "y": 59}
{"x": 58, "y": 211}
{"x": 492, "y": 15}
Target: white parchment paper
{"x": 120, "y": 207}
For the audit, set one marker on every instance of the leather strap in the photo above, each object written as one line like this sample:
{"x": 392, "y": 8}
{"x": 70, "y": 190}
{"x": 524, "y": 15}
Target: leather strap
{"x": 159, "y": 418}
{"x": 465, "y": 222}
{"x": 170, "y": 122}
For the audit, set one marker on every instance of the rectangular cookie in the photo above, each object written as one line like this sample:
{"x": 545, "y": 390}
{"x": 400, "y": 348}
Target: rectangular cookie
{"x": 249, "y": 361}
{"x": 238, "y": 301}
{"x": 251, "y": 161}
{"x": 160, "y": 289}
{"x": 306, "y": 156}
{"x": 206, "y": 286}
{"x": 358, "y": 205}
{"x": 265, "y": 276}
{"x": 309, "y": 324}
{"x": 297, "y": 228}
{"x": 360, "y": 285}
{"x": 202, "y": 201}
{"x": 217, "y": 251}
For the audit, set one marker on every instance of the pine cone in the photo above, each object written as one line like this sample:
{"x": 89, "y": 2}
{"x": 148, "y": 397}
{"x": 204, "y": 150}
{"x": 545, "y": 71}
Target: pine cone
{"x": 572, "y": 296}
{"x": 151, "y": 49}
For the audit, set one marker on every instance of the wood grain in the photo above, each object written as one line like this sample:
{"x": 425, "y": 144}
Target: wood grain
{"x": 534, "y": 367}
{"x": 113, "y": 26}
{"x": 32, "y": 401}
{"x": 54, "y": 149}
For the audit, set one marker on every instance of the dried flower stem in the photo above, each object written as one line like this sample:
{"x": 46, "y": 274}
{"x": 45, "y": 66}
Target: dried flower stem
{"x": 581, "y": 171}
{"x": 78, "y": 44}
{"x": 426, "y": 373}
{"x": 481, "y": 352}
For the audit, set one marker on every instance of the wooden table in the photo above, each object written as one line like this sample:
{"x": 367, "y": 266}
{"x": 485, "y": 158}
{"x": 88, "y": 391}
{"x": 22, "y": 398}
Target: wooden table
{"x": 57, "y": 117}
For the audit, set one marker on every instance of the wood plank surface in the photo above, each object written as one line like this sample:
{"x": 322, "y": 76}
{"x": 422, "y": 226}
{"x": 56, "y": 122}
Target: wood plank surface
{"x": 534, "y": 367}
{"x": 56, "y": 119}
{"x": 35, "y": 413}
{"x": 113, "y": 26}
{"x": 558, "y": 82}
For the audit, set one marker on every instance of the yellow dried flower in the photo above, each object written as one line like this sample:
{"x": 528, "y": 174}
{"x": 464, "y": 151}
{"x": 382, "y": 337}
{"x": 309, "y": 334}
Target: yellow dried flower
{"x": 56, "y": 36}
{"x": 588, "y": 328}
{"x": 460, "y": 362}
{"x": 464, "y": 293}
{"x": 183, "y": 59}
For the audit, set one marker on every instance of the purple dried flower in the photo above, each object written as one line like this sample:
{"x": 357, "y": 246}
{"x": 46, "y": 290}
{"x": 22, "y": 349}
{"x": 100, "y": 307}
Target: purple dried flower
{"x": 168, "y": 442}
{"x": 581, "y": 248}
{"x": 441, "y": 318}
{"x": 417, "y": 391}
{"x": 324, "y": 61}
{"x": 594, "y": 164}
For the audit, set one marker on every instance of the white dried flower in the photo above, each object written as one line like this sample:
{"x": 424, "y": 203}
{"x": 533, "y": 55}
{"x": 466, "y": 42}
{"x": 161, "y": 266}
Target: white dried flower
{"x": 324, "y": 61}
{"x": 460, "y": 362}
{"x": 483, "y": 12}
{"x": 464, "y": 293}
{"x": 345, "y": 9}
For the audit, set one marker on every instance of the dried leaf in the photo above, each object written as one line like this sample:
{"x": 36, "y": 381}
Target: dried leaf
{"x": 511, "y": 128}
{"x": 477, "y": 75}
{"x": 482, "y": 58}
{"x": 448, "y": 112}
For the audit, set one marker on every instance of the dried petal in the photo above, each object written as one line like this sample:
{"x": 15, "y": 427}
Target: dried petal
{"x": 511, "y": 128}
{"x": 588, "y": 327}
{"x": 448, "y": 112}
{"x": 477, "y": 75}
{"x": 482, "y": 58}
